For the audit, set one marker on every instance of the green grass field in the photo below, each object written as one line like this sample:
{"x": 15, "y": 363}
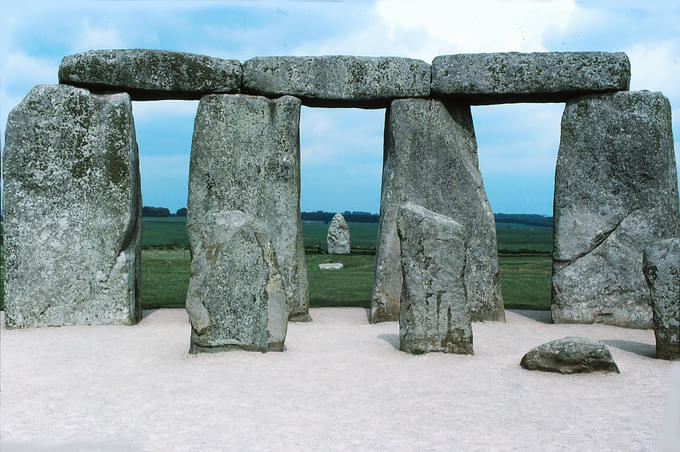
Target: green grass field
{"x": 525, "y": 278}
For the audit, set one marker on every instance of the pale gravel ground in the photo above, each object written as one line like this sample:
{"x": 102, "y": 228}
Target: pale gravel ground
{"x": 341, "y": 384}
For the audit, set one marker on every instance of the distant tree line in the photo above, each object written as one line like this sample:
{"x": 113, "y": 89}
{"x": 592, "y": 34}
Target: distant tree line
{"x": 520, "y": 218}
{"x": 353, "y": 216}
{"x": 148, "y": 211}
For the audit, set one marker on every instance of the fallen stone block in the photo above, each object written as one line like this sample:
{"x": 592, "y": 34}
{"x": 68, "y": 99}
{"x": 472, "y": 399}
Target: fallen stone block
{"x": 72, "y": 210}
{"x": 331, "y": 266}
{"x": 338, "y": 235}
{"x": 615, "y": 192}
{"x": 245, "y": 156}
{"x": 430, "y": 159}
{"x": 151, "y": 74}
{"x": 434, "y": 314}
{"x": 338, "y": 81}
{"x": 570, "y": 355}
{"x": 662, "y": 271}
{"x": 495, "y": 78}
{"x": 236, "y": 299}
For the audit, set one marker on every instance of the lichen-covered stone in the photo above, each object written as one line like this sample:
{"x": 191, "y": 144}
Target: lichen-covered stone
{"x": 570, "y": 355}
{"x": 338, "y": 81}
{"x": 338, "y": 235}
{"x": 72, "y": 210}
{"x": 245, "y": 156}
{"x": 236, "y": 299}
{"x": 615, "y": 192}
{"x": 488, "y": 78}
{"x": 662, "y": 271}
{"x": 434, "y": 315}
{"x": 431, "y": 160}
{"x": 151, "y": 74}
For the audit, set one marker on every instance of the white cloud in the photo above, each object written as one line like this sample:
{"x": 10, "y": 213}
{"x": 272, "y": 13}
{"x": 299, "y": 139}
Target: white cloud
{"x": 655, "y": 66}
{"x": 146, "y": 111}
{"x": 96, "y": 37}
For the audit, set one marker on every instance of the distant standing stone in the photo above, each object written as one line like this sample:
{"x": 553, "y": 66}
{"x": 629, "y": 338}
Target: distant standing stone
{"x": 151, "y": 74}
{"x": 331, "y": 266}
{"x": 338, "y": 235}
{"x": 72, "y": 210}
{"x": 570, "y": 355}
{"x": 488, "y": 78}
{"x": 616, "y": 191}
{"x": 662, "y": 271}
{"x": 236, "y": 299}
{"x": 430, "y": 159}
{"x": 245, "y": 156}
{"x": 434, "y": 314}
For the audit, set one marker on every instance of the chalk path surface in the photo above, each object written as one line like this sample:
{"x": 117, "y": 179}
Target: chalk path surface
{"x": 341, "y": 384}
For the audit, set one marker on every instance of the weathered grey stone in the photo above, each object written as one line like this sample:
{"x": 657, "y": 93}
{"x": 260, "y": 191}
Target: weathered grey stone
{"x": 615, "y": 191}
{"x": 338, "y": 81}
{"x": 331, "y": 266}
{"x": 494, "y": 78}
{"x": 434, "y": 315}
{"x": 151, "y": 74}
{"x": 245, "y": 156}
{"x": 431, "y": 160}
{"x": 662, "y": 271}
{"x": 570, "y": 355}
{"x": 338, "y": 235}
{"x": 236, "y": 299}
{"x": 72, "y": 208}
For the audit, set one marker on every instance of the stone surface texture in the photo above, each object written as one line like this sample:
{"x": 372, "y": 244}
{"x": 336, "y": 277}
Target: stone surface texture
{"x": 151, "y": 74}
{"x": 236, "y": 299}
{"x": 338, "y": 238}
{"x": 245, "y": 156}
{"x": 72, "y": 210}
{"x": 487, "y": 78}
{"x": 338, "y": 81}
{"x": 615, "y": 192}
{"x": 570, "y": 355}
{"x": 430, "y": 159}
{"x": 662, "y": 271}
{"x": 434, "y": 315}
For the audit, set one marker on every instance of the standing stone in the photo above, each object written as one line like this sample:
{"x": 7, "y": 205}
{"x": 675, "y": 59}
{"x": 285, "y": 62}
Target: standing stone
{"x": 493, "y": 78}
{"x": 615, "y": 192}
{"x": 151, "y": 74}
{"x": 338, "y": 235}
{"x": 338, "y": 80}
{"x": 236, "y": 299}
{"x": 431, "y": 160}
{"x": 72, "y": 210}
{"x": 662, "y": 271}
{"x": 245, "y": 156}
{"x": 434, "y": 315}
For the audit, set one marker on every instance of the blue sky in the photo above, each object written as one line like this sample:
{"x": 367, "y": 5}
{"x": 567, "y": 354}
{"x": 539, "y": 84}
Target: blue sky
{"x": 342, "y": 148}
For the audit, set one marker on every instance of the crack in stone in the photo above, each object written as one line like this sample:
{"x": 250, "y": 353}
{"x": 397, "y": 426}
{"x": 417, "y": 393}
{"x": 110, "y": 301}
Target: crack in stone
{"x": 599, "y": 240}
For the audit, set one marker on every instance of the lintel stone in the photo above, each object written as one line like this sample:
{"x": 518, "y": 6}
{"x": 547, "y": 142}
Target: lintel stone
{"x": 495, "y": 78}
{"x": 338, "y": 81}
{"x": 151, "y": 74}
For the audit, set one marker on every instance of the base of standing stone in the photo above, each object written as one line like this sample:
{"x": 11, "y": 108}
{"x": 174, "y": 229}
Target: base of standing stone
{"x": 304, "y": 317}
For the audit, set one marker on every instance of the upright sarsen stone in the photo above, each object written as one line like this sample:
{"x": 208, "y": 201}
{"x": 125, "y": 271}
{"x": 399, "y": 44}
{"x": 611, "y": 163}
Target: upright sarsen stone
{"x": 245, "y": 156}
{"x": 615, "y": 192}
{"x": 338, "y": 235}
{"x": 236, "y": 299}
{"x": 662, "y": 271}
{"x": 430, "y": 159}
{"x": 72, "y": 210}
{"x": 434, "y": 314}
